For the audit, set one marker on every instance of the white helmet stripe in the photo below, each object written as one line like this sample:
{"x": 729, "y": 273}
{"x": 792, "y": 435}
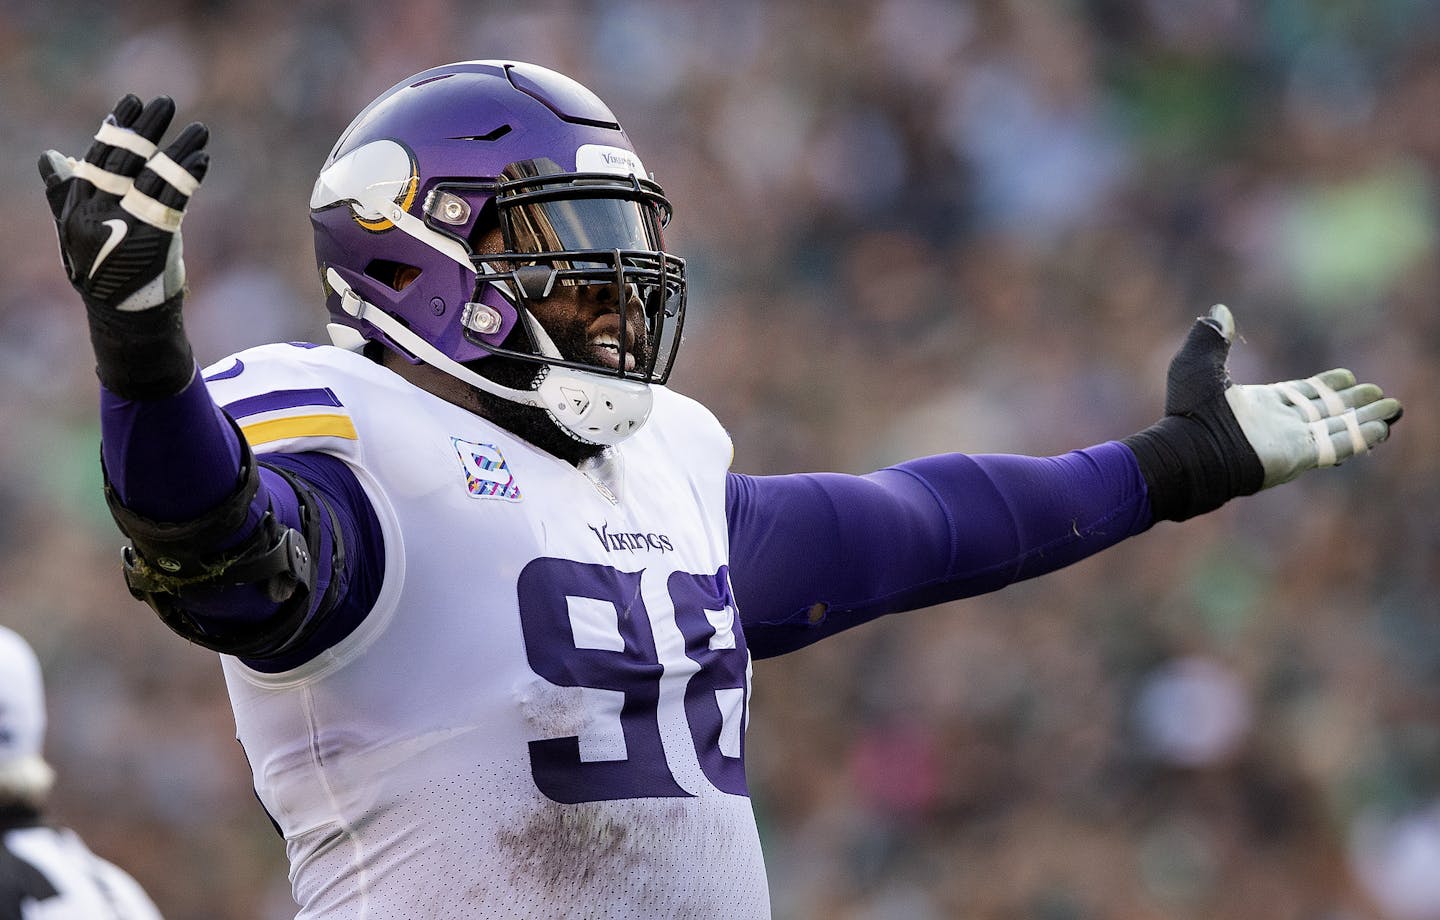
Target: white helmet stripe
{"x": 414, "y": 226}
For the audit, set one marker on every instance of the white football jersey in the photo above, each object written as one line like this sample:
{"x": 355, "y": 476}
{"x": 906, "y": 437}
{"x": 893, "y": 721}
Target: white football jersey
{"x": 54, "y": 876}
{"x": 544, "y": 714}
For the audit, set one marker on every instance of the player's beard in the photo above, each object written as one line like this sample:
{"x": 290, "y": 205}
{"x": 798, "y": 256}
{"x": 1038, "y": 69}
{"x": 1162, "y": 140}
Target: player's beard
{"x": 532, "y": 423}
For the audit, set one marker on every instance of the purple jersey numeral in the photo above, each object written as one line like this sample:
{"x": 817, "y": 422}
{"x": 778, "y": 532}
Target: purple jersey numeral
{"x": 545, "y": 589}
{"x": 544, "y": 586}
{"x": 721, "y": 668}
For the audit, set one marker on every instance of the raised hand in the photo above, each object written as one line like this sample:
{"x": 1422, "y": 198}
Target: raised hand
{"x": 118, "y": 214}
{"x": 118, "y": 210}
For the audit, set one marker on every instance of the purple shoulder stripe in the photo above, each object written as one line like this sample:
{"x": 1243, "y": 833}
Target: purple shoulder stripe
{"x": 282, "y": 399}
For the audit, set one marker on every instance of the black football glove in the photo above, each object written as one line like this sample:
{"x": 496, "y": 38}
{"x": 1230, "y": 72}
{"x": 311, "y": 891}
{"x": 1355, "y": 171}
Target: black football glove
{"x": 1219, "y": 440}
{"x": 118, "y": 214}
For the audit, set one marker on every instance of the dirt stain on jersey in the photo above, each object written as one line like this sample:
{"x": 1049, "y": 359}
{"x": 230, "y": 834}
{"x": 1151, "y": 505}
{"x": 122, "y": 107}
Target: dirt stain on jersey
{"x": 591, "y": 854}
{"x": 567, "y": 845}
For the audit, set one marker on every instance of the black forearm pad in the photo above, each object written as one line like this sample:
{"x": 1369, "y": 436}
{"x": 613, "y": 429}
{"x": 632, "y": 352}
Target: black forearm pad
{"x": 1193, "y": 466}
{"x": 142, "y": 354}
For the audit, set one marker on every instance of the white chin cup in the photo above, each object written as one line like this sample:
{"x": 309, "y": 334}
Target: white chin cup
{"x": 593, "y": 408}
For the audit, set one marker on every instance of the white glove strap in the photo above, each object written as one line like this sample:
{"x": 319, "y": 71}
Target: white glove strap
{"x": 1358, "y": 444}
{"x": 1298, "y": 400}
{"x": 1334, "y": 405}
{"x": 116, "y": 136}
{"x": 1319, "y": 423}
{"x": 102, "y": 179}
{"x": 143, "y": 207}
{"x": 1325, "y": 451}
{"x": 172, "y": 172}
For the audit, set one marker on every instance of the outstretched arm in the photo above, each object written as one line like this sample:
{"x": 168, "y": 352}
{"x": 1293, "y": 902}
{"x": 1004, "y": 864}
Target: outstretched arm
{"x": 815, "y": 554}
{"x": 812, "y": 555}
{"x": 234, "y": 554}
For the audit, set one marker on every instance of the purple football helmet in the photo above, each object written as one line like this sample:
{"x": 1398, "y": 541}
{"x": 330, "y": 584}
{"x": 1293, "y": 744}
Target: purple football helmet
{"x": 440, "y": 161}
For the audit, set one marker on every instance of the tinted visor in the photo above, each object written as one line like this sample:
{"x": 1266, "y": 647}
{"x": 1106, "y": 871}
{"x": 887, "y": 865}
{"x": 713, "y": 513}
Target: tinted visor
{"x": 545, "y": 210}
{"x": 579, "y": 224}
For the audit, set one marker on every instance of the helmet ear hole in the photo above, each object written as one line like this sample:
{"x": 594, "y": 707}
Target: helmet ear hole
{"x": 395, "y": 275}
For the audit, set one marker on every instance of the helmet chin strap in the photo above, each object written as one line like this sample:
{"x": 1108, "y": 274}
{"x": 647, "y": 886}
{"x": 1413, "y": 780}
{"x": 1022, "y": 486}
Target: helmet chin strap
{"x": 593, "y": 408}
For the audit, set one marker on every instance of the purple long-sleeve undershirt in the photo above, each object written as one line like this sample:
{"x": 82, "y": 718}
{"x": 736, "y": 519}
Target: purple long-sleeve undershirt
{"x": 814, "y": 554}
{"x": 811, "y": 554}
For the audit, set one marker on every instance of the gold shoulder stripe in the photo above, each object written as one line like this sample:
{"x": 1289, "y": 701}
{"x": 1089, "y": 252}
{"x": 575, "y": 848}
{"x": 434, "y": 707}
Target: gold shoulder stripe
{"x": 301, "y": 426}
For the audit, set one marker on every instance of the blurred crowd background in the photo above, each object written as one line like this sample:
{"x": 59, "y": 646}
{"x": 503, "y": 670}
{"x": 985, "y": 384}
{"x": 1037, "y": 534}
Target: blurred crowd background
{"x": 912, "y": 226}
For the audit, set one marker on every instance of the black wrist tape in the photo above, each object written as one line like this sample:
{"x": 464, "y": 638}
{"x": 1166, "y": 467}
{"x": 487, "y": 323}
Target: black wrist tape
{"x": 144, "y": 354}
{"x": 1195, "y": 463}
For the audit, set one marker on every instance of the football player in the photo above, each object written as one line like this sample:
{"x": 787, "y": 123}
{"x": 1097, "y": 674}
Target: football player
{"x": 46, "y": 871}
{"x": 485, "y": 591}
